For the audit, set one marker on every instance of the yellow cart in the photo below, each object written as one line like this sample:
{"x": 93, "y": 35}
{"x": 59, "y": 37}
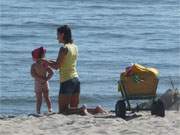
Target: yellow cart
{"x": 138, "y": 83}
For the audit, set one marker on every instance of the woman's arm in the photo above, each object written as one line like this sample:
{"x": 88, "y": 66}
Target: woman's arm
{"x": 60, "y": 59}
{"x": 61, "y": 56}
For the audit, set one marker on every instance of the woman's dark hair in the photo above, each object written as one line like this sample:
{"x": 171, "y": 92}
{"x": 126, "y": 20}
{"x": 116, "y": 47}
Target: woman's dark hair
{"x": 65, "y": 29}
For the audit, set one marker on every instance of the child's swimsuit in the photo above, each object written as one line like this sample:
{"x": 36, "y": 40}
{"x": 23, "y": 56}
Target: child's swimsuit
{"x": 41, "y": 86}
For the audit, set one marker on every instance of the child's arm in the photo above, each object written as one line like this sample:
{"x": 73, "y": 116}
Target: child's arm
{"x": 52, "y": 64}
{"x": 60, "y": 59}
{"x": 50, "y": 73}
{"x": 35, "y": 75}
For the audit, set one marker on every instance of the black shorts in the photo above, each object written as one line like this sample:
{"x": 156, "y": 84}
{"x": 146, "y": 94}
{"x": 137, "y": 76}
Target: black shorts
{"x": 70, "y": 87}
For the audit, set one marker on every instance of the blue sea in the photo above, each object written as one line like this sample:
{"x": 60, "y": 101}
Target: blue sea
{"x": 110, "y": 35}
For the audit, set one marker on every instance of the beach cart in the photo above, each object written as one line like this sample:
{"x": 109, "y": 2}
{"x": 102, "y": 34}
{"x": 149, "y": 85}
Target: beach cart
{"x": 138, "y": 83}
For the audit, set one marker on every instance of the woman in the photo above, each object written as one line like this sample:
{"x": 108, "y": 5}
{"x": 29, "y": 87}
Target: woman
{"x": 69, "y": 83}
{"x": 66, "y": 63}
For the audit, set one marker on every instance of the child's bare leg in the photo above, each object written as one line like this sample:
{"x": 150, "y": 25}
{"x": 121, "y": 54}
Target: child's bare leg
{"x": 99, "y": 109}
{"x": 38, "y": 102}
{"x": 84, "y": 110}
{"x": 48, "y": 100}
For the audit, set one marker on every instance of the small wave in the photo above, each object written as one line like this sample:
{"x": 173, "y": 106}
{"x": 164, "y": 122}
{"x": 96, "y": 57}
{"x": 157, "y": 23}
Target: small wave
{"x": 161, "y": 50}
{"x": 21, "y": 51}
{"x": 31, "y": 24}
{"x": 18, "y": 36}
{"x": 169, "y": 79}
{"x": 163, "y": 65}
{"x": 43, "y": 24}
{"x": 105, "y": 35}
{"x": 109, "y": 51}
{"x": 20, "y": 7}
{"x": 93, "y": 27}
{"x": 16, "y": 100}
{"x": 93, "y": 82}
{"x": 98, "y": 98}
{"x": 14, "y": 52}
{"x": 10, "y": 25}
{"x": 147, "y": 33}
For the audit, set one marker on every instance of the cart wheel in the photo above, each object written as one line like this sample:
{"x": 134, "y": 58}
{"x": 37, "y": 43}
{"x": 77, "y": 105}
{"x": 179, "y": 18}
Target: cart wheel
{"x": 120, "y": 109}
{"x": 157, "y": 108}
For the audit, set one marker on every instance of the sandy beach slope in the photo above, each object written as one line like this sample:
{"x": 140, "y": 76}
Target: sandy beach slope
{"x": 57, "y": 124}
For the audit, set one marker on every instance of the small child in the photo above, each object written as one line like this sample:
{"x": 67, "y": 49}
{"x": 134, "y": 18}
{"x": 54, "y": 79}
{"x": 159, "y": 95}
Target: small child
{"x": 41, "y": 72}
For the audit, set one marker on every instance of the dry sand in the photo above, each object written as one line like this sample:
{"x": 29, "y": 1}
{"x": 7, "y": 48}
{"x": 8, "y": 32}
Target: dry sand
{"x": 57, "y": 124}
{"x": 143, "y": 123}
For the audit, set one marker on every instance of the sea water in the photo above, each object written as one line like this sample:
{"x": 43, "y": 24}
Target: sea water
{"x": 110, "y": 35}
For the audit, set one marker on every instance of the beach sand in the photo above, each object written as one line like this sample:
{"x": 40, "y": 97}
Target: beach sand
{"x": 139, "y": 123}
{"x": 143, "y": 123}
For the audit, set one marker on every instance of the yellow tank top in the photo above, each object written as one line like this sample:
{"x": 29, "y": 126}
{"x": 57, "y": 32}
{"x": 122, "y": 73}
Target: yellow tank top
{"x": 68, "y": 69}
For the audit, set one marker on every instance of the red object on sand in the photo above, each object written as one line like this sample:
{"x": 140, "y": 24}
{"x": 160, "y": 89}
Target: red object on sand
{"x": 129, "y": 71}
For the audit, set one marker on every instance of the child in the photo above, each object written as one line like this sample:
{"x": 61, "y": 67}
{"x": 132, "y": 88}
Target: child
{"x": 41, "y": 73}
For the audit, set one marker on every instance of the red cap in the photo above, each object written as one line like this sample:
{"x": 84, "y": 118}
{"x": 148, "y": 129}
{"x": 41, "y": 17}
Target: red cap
{"x": 35, "y": 53}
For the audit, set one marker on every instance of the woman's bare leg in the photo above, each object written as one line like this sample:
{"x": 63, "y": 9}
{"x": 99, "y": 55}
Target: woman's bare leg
{"x": 74, "y": 102}
{"x": 38, "y": 102}
{"x": 98, "y": 109}
{"x": 63, "y": 102}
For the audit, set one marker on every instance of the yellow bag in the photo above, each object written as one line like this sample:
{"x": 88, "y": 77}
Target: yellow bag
{"x": 139, "y": 80}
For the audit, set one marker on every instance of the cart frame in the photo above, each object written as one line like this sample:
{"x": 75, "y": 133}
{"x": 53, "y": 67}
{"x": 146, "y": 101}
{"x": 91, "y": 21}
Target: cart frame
{"x": 127, "y": 98}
